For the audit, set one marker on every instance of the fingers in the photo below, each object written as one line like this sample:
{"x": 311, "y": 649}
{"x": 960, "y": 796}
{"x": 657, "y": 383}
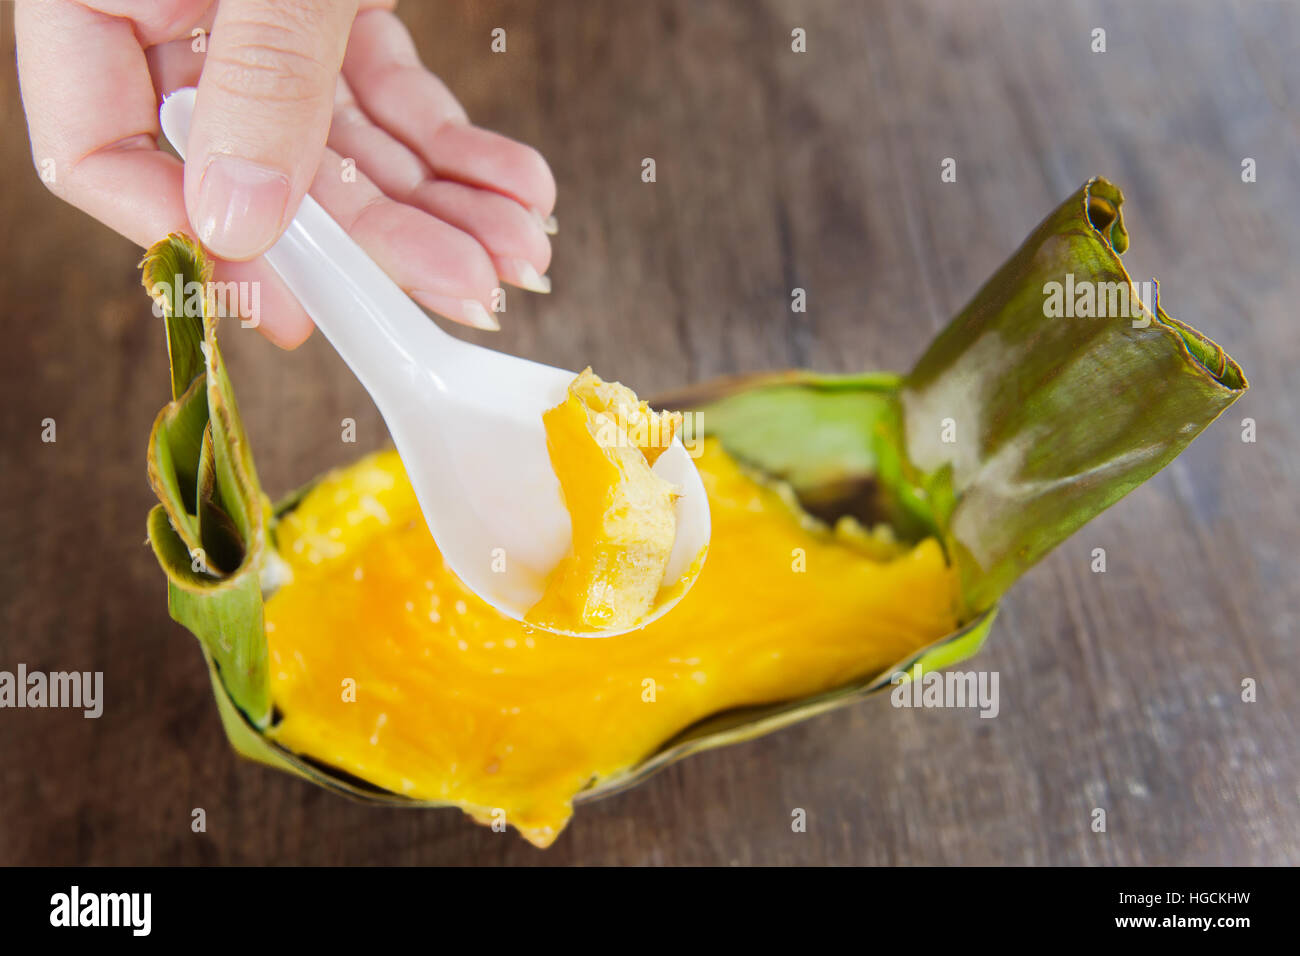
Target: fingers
{"x": 174, "y": 65}
{"x": 393, "y": 167}
{"x": 513, "y": 237}
{"x": 93, "y": 122}
{"x": 155, "y": 22}
{"x": 404, "y": 98}
{"x": 92, "y": 116}
{"x": 265, "y": 98}
{"x": 261, "y": 118}
{"x": 279, "y": 315}
{"x": 441, "y": 267}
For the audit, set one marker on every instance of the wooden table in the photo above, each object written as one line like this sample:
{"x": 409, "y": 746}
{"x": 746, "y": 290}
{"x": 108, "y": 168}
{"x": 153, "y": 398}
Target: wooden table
{"x": 775, "y": 169}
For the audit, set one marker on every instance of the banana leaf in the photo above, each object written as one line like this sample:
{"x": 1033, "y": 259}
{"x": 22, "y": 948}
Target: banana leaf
{"x": 1015, "y": 428}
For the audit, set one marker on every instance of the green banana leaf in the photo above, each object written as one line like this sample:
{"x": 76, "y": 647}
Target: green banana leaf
{"x": 1016, "y": 427}
{"x": 209, "y": 529}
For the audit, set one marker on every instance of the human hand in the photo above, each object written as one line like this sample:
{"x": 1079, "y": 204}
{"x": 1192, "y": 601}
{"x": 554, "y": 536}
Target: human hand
{"x": 287, "y": 89}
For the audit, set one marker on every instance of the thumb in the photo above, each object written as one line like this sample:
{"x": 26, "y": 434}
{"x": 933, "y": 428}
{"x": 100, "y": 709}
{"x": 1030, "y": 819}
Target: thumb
{"x": 261, "y": 118}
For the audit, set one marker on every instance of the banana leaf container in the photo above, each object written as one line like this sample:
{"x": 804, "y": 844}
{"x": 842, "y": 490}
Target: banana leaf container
{"x": 1015, "y": 428}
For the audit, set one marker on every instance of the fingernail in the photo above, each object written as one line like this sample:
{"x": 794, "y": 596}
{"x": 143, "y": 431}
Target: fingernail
{"x": 549, "y": 224}
{"x": 530, "y": 278}
{"x": 470, "y": 311}
{"x": 241, "y": 206}
{"x": 479, "y": 317}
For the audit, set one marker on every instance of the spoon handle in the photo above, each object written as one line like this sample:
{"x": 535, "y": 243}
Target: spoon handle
{"x": 370, "y": 321}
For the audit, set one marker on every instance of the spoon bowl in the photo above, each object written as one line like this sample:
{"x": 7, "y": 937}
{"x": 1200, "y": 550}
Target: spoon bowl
{"x": 466, "y": 420}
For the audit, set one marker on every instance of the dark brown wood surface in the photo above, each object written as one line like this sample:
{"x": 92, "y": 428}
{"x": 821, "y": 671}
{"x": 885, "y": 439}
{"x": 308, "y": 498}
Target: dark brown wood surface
{"x": 775, "y": 169}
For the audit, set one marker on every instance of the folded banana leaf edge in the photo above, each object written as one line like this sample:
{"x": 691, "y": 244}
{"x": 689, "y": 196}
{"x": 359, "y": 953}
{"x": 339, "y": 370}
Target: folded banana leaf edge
{"x": 1014, "y": 428}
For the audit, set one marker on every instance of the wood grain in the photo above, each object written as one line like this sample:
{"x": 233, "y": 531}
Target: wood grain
{"x": 775, "y": 170}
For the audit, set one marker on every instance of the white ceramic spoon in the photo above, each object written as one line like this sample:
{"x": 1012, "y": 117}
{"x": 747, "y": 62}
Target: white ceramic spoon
{"x": 466, "y": 420}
